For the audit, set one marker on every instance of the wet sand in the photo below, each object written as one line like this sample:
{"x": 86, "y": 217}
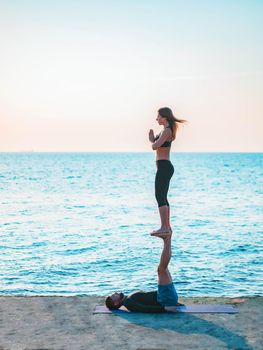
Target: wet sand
{"x": 68, "y": 323}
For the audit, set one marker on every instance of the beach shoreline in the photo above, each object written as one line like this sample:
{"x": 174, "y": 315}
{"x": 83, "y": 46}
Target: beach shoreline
{"x": 68, "y": 322}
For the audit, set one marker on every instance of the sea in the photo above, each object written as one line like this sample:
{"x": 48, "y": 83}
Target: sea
{"x": 80, "y": 223}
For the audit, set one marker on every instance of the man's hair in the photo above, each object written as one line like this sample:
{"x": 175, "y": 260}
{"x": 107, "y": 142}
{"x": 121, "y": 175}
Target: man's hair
{"x": 110, "y": 304}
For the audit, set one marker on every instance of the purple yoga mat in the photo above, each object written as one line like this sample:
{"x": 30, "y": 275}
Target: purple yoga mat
{"x": 201, "y": 308}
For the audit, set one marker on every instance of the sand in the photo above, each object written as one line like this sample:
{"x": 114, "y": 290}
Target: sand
{"x": 68, "y": 323}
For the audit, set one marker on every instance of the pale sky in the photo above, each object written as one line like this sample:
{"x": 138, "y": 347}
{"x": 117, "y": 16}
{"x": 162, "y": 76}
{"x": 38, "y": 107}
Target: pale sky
{"x": 89, "y": 76}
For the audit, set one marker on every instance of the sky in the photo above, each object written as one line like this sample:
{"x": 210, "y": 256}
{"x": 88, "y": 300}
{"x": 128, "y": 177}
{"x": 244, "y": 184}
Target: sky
{"x": 89, "y": 76}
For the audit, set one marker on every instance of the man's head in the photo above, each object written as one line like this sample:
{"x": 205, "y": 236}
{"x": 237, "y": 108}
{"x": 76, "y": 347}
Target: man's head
{"x": 114, "y": 301}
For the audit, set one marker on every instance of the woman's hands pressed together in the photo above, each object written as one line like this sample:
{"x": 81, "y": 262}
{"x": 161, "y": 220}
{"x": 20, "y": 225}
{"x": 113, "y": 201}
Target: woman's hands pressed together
{"x": 151, "y": 135}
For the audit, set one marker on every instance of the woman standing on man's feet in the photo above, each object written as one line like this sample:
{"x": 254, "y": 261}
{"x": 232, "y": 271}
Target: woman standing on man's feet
{"x": 162, "y": 144}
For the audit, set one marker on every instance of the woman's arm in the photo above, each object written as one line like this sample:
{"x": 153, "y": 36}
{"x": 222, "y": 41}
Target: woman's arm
{"x": 165, "y": 136}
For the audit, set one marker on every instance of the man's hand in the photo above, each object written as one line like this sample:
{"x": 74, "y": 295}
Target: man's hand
{"x": 151, "y": 135}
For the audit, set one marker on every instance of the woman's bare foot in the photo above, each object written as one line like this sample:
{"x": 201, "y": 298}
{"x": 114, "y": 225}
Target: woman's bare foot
{"x": 162, "y": 232}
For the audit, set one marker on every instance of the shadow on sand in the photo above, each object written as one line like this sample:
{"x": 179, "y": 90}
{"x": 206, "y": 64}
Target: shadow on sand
{"x": 187, "y": 324}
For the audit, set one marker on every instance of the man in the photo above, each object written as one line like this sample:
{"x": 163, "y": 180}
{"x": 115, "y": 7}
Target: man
{"x": 156, "y": 301}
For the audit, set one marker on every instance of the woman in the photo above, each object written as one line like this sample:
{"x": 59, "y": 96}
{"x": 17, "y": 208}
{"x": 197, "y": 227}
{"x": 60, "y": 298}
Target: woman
{"x": 162, "y": 144}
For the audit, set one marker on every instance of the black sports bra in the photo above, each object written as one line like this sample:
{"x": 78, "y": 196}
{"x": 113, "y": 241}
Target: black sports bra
{"x": 166, "y": 143}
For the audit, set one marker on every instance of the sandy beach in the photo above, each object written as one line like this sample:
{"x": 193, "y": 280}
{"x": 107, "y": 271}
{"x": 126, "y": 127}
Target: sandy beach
{"x": 68, "y": 323}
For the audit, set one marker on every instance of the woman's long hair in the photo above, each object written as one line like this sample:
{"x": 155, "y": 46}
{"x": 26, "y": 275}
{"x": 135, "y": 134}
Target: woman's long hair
{"x": 174, "y": 122}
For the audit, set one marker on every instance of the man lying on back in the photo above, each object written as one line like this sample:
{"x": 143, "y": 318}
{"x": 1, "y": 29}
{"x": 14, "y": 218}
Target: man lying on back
{"x": 156, "y": 301}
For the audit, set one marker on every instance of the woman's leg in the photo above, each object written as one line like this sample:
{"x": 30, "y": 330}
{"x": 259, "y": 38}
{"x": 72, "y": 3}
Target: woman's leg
{"x": 164, "y": 216}
{"x": 167, "y": 203}
{"x": 162, "y": 180}
{"x": 168, "y": 218}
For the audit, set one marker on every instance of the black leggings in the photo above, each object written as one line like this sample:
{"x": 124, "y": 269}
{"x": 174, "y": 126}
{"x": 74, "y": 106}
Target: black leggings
{"x": 163, "y": 176}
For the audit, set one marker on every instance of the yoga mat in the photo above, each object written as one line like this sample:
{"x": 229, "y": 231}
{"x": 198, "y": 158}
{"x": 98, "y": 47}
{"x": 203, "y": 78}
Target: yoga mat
{"x": 201, "y": 308}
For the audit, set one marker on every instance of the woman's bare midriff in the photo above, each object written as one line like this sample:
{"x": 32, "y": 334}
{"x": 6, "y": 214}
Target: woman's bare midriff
{"x": 163, "y": 153}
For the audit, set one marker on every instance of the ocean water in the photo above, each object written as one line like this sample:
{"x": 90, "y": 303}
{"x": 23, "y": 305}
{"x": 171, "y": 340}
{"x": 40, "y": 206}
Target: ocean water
{"x": 79, "y": 223}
